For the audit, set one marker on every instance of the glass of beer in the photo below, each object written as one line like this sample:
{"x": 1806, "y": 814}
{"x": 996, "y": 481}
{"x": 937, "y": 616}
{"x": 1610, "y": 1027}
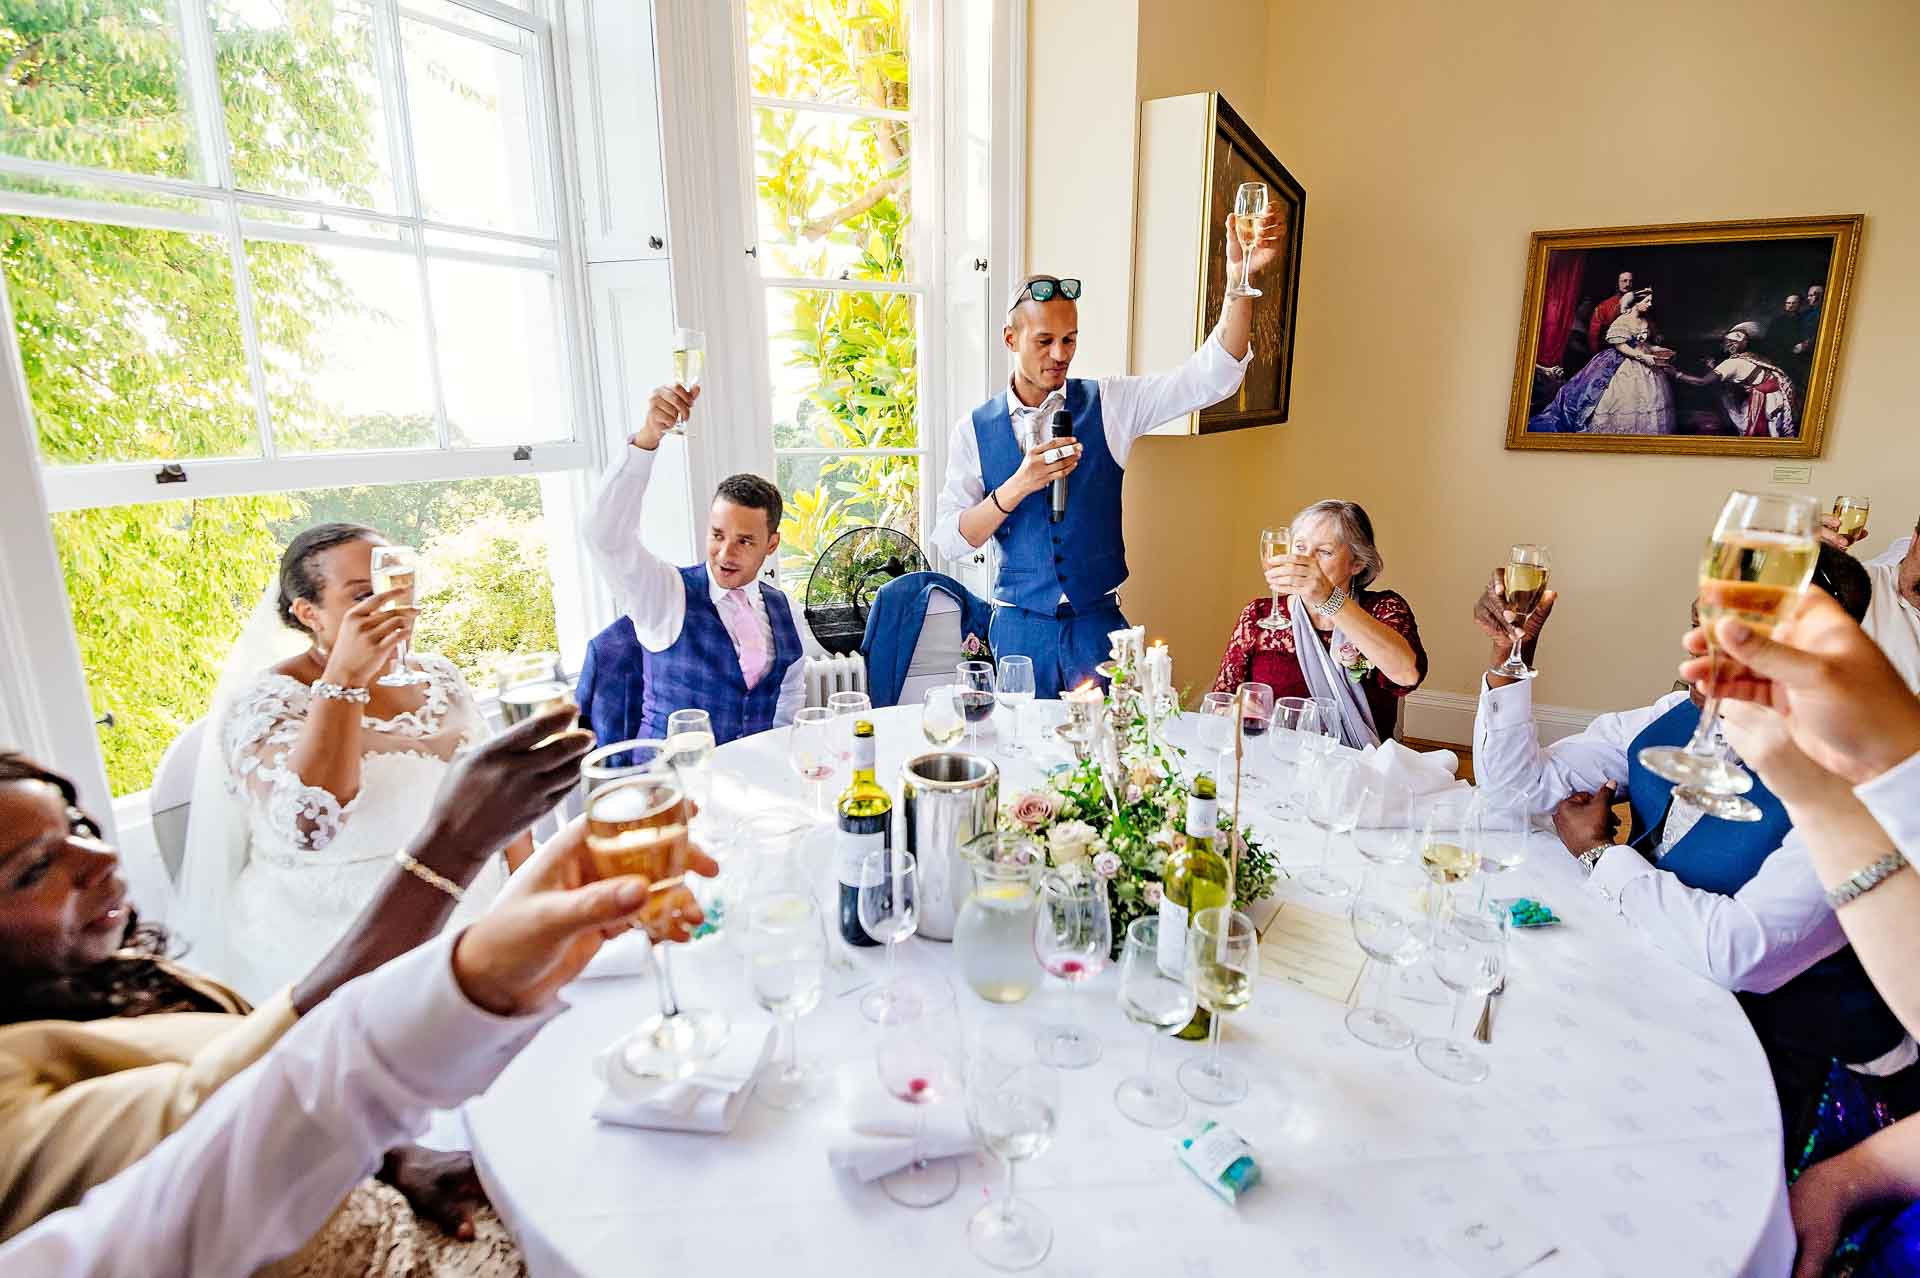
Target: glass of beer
{"x": 1851, "y": 512}
{"x": 689, "y": 361}
{"x": 1249, "y": 202}
{"x": 1522, "y": 582}
{"x": 1757, "y": 563}
{"x": 1275, "y": 542}
{"x": 396, "y": 568}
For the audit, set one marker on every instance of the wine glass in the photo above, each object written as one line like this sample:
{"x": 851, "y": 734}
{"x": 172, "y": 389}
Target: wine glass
{"x": 1470, "y": 958}
{"x": 690, "y": 752}
{"x": 1014, "y": 691}
{"x": 1395, "y": 836}
{"x": 1446, "y": 847}
{"x": 1392, "y": 924}
{"x": 1521, "y": 583}
{"x": 812, "y": 749}
{"x": 1256, "y": 716}
{"x": 975, "y": 694}
{"x": 1013, "y": 1104}
{"x": 529, "y": 684}
{"x": 689, "y": 362}
{"x": 1851, "y": 514}
{"x": 848, "y": 706}
{"x": 1296, "y": 726}
{"x": 1161, "y": 1003}
{"x": 1728, "y": 807}
{"x": 940, "y": 721}
{"x": 1223, "y": 953}
{"x": 1275, "y": 542}
{"x": 1336, "y": 792}
{"x": 1757, "y": 563}
{"x": 1072, "y": 937}
{"x": 398, "y": 568}
{"x": 1249, "y": 202}
{"x": 786, "y": 965}
{"x": 1502, "y": 823}
{"x": 889, "y": 910}
{"x": 922, "y": 1062}
{"x": 1216, "y": 726}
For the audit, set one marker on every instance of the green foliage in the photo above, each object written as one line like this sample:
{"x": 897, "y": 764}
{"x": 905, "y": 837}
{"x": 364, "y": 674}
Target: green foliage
{"x": 488, "y": 595}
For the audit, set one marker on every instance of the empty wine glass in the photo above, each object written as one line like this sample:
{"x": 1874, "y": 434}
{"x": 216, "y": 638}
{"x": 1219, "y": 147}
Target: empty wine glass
{"x": 975, "y": 694}
{"x": 1223, "y": 953}
{"x": 812, "y": 749}
{"x": 690, "y": 751}
{"x": 1015, "y": 691}
{"x": 1013, "y": 1104}
{"x": 848, "y": 706}
{"x": 1256, "y": 716}
{"x": 1072, "y": 937}
{"x": 1296, "y": 727}
{"x": 1160, "y": 1003}
{"x": 940, "y": 721}
{"x": 1503, "y": 824}
{"x": 398, "y": 568}
{"x": 922, "y": 1062}
{"x": 1275, "y": 542}
{"x": 1217, "y": 713}
{"x": 889, "y": 910}
{"x": 1393, "y": 836}
{"x": 786, "y": 965}
{"x": 1392, "y": 924}
{"x": 1336, "y": 792}
{"x": 1469, "y": 957}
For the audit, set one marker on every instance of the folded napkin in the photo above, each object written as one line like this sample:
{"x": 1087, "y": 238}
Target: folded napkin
{"x": 1428, "y": 776}
{"x": 879, "y": 1138}
{"x": 709, "y": 1101}
{"x": 625, "y": 955}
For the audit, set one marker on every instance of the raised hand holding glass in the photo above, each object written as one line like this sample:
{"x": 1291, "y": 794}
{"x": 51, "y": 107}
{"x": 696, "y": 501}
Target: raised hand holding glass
{"x": 1275, "y": 542}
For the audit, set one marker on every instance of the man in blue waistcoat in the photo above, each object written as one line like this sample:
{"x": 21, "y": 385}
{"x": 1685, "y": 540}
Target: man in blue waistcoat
{"x": 714, "y": 636}
{"x": 1055, "y": 594}
{"x": 1736, "y": 901}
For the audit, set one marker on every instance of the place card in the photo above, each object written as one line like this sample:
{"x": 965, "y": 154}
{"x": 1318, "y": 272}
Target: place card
{"x": 1312, "y": 951}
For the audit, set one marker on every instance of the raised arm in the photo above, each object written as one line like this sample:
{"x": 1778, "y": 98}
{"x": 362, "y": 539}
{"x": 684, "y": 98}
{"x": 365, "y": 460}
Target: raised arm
{"x": 647, "y": 586}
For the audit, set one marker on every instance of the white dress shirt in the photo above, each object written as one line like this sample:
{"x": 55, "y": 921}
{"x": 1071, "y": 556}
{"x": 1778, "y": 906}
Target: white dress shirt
{"x": 1893, "y": 621}
{"x": 1893, "y": 798}
{"x": 256, "y": 1172}
{"x": 1129, "y": 408}
{"x": 1896, "y": 551}
{"x": 649, "y": 587}
{"x": 1774, "y": 928}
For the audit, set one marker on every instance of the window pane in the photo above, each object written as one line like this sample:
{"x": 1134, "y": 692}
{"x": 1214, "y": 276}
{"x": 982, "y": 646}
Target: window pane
{"x": 343, "y": 343}
{"x": 160, "y": 592}
{"x": 828, "y": 496}
{"x": 500, "y": 367}
{"x": 96, "y": 84}
{"x": 472, "y": 131}
{"x": 853, "y": 52}
{"x": 833, "y": 193}
{"x": 300, "y": 85}
{"x": 131, "y": 341}
{"x": 844, "y": 368}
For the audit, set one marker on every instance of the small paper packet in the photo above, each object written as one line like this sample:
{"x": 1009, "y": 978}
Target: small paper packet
{"x": 1221, "y": 1159}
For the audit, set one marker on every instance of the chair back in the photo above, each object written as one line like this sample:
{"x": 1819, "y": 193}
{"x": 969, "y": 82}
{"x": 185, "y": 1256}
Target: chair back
{"x": 171, "y": 797}
{"x": 937, "y": 651}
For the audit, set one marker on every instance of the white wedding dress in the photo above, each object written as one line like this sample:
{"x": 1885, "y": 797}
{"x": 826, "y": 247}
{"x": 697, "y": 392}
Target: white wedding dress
{"x": 311, "y": 863}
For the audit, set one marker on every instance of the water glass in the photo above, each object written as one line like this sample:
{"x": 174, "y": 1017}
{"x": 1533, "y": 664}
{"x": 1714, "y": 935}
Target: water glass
{"x": 922, "y": 1062}
{"x": 1015, "y": 690}
{"x": 1223, "y": 953}
{"x": 690, "y": 752}
{"x": 1217, "y": 712}
{"x": 889, "y": 910}
{"x": 1296, "y": 724}
{"x": 1470, "y": 958}
{"x": 1013, "y": 1105}
{"x": 812, "y": 749}
{"x": 848, "y": 707}
{"x": 1503, "y": 823}
{"x": 976, "y": 694}
{"x": 1392, "y": 837}
{"x": 786, "y": 966}
{"x": 1162, "y": 1004}
{"x": 1072, "y": 937}
{"x": 940, "y": 721}
{"x": 1392, "y": 924}
{"x": 1336, "y": 792}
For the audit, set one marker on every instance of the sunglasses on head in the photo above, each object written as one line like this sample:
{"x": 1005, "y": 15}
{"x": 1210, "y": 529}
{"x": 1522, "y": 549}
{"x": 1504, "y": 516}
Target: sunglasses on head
{"x": 1045, "y": 290}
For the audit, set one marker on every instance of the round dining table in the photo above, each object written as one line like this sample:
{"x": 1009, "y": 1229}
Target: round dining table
{"x": 1628, "y": 1126}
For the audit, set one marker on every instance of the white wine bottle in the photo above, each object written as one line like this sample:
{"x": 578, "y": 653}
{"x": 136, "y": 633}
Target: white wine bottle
{"x": 1195, "y": 879}
{"x": 866, "y": 827}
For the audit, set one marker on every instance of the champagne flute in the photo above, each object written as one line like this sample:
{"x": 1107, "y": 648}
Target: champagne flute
{"x": 940, "y": 721}
{"x": 812, "y": 749}
{"x": 786, "y": 963}
{"x": 1015, "y": 689}
{"x": 1275, "y": 542}
{"x": 397, "y": 568}
{"x": 1470, "y": 958}
{"x": 1249, "y": 202}
{"x": 975, "y": 694}
{"x": 1223, "y": 953}
{"x": 1218, "y": 710}
{"x": 1296, "y": 727}
{"x": 1757, "y": 563}
{"x": 689, "y": 362}
{"x": 922, "y": 1062}
{"x": 1072, "y": 937}
{"x": 690, "y": 752}
{"x": 1851, "y": 512}
{"x": 1502, "y": 823}
{"x": 1336, "y": 793}
{"x": 1160, "y": 1003}
{"x": 1013, "y": 1103}
{"x": 1256, "y": 716}
{"x": 529, "y": 684}
{"x": 889, "y": 910}
{"x": 1521, "y": 584}
{"x": 1392, "y": 925}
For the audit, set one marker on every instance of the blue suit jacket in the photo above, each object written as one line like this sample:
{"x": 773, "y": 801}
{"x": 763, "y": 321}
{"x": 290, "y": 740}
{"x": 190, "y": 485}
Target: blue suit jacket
{"x": 893, "y": 628}
{"x": 612, "y": 683}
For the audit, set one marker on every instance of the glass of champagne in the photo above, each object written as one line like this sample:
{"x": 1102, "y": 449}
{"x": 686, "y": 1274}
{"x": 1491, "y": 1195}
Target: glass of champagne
{"x": 889, "y": 909}
{"x": 1072, "y": 937}
{"x": 1470, "y": 958}
{"x": 812, "y": 750}
{"x": 1296, "y": 729}
{"x": 1336, "y": 792}
{"x": 1013, "y": 1104}
{"x": 1757, "y": 563}
{"x": 922, "y": 1062}
{"x": 1392, "y": 925}
{"x": 398, "y": 568}
{"x": 1249, "y": 202}
{"x": 1275, "y": 542}
{"x": 1223, "y": 953}
{"x": 1503, "y": 823}
{"x": 1521, "y": 582}
{"x": 689, "y": 362}
{"x": 529, "y": 684}
{"x": 1256, "y": 716}
{"x": 1015, "y": 690}
{"x": 1160, "y": 1003}
{"x": 1216, "y": 726}
{"x": 940, "y": 721}
{"x": 786, "y": 962}
{"x": 975, "y": 694}
{"x": 1851, "y": 513}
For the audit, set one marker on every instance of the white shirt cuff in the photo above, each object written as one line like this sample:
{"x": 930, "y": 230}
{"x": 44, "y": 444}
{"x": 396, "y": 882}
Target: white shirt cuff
{"x": 1217, "y": 352}
{"x": 1507, "y": 707}
{"x": 1893, "y": 798}
{"x": 1618, "y": 866}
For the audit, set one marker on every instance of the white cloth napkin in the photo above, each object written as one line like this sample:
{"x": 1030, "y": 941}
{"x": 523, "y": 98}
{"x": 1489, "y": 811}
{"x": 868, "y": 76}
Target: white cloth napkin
{"x": 625, "y": 955}
{"x": 879, "y": 1137}
{"x": 1428, "y": 775}
{"x": 709, "y": 1101}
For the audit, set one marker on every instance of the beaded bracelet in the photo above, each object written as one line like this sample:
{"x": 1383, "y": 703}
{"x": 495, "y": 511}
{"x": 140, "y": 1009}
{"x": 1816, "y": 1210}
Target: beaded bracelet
{"x": 430, "y": 876}
{"x": 340, "y": 692}
{"x": 1867, "y": 879}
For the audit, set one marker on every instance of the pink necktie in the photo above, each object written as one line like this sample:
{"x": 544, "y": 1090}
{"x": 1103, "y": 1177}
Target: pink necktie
{"x": 737, "y": 615}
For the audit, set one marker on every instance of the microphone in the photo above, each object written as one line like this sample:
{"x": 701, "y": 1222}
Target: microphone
{"x": 1062, "y": 429}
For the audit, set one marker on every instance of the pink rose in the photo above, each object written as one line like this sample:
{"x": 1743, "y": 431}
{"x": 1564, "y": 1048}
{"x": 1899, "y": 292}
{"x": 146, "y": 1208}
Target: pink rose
{"x": 1134, "y": 794}
{"x": 1033, "y": 809}
{"x": 1154, "y": 893}
{"x": 1348, "y": 654}
{"x": 1106, "y": 865}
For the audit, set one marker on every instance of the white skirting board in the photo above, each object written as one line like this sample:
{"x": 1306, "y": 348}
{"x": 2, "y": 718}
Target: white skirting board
{"x": 1448, "y": 717}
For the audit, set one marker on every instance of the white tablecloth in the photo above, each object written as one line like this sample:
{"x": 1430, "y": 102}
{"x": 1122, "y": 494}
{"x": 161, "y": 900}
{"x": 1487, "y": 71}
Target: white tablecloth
{"x": 1629, "y": 1117}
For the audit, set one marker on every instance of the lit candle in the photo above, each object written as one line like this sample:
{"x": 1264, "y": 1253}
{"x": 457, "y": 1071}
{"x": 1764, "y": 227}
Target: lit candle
{"x": 1158, "y": 668}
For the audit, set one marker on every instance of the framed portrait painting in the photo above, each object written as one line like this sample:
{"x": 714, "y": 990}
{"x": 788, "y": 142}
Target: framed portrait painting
{"x": 1717, "y": 338}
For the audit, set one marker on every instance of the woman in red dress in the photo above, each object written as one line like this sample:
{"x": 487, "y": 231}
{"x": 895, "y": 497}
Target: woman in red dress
{"x": 1366, "y": 653}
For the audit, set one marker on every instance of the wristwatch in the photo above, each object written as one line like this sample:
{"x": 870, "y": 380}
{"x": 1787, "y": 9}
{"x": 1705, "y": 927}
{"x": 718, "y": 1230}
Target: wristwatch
{"x": 1591, "y": 857}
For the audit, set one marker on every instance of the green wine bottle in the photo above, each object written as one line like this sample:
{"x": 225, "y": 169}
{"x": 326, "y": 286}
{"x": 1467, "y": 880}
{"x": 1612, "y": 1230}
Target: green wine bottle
{"x": 866, "y": 827}
{"x": 1195, "y": 879}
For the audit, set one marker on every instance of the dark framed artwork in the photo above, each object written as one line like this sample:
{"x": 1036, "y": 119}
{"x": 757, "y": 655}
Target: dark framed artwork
{"x": 1703, "y": 338}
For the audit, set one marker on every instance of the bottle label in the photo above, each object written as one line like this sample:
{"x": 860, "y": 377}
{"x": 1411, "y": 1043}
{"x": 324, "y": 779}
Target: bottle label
{"x": 863, "y": 754}
{"x": 1202, "y": 817}
{"x": 851, "y": 852}
{"x": 1173, "y": 938}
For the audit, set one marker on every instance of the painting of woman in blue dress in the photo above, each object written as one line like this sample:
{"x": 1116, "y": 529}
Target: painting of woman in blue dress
{"x": 1624, "y": 389}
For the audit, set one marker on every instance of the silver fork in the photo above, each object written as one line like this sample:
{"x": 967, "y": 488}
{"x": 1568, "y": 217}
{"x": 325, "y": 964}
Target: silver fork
{"x": 1483, "y": 1031}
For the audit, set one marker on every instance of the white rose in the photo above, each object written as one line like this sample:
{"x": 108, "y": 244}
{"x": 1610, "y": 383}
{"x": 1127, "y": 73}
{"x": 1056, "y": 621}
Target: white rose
{"x": 1071, "y": 842}
{"x": 1154, "y": 893}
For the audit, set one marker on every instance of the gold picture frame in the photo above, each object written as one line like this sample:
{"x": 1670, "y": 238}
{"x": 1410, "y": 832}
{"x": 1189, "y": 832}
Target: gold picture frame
{"x": 1748, "y": 370}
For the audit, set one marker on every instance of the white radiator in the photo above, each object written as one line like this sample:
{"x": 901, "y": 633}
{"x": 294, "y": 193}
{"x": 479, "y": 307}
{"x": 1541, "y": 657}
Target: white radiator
{"x": 828, "y": 675}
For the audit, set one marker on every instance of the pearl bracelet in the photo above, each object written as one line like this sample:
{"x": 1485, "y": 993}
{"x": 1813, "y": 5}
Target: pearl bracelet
{"x": 340, "y": 692}
{"x": 428, "y": 875}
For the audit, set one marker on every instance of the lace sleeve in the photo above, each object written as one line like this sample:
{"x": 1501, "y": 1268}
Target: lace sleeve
{"x": 260, "y": 729}
{"x": 1392, "y": 609}
{"x": 1236, "y": 664}
{"x": 463, "y": 715}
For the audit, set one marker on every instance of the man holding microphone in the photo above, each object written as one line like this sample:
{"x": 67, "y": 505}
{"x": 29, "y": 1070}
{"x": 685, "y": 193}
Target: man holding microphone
{"x": 1062, "y": 552}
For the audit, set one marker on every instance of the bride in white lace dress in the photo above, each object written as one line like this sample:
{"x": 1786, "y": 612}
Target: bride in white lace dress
{"x": 314, "y": 773}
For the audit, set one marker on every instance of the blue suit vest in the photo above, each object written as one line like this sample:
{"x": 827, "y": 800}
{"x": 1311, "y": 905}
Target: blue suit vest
{"x": 702, "y": 668}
